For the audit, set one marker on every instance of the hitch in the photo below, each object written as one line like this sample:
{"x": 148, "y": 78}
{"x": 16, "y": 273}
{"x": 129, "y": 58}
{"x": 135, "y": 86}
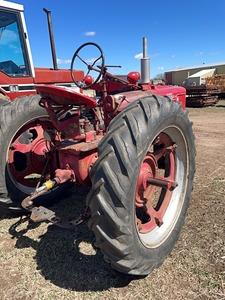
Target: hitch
{"x": 28, "y": 202}
{"x": 61, "y": 176}
{"x": 43, "y": 214}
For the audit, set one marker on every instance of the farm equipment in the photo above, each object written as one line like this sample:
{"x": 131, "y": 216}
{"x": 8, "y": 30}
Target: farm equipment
{"x": 199, "y": 94}
{"x": 17, "y": 73}
{"x": 132, "y": 145}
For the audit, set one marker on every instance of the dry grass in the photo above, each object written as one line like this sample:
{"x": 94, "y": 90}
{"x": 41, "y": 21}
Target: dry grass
{"x": 49, "y": 263}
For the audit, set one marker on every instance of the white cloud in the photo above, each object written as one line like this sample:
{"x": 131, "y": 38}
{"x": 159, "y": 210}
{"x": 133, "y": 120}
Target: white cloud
{"x": 8, "y": 37}
{"x": 173, "y": 56}
{"x": 90, "y": 33}
{"x": 61, "y": 61}
{"x": 138, "y": 55}
{"x": 200, "y": 53}
{"x": 160, "y": 68}
{"x": 15, "y": 48}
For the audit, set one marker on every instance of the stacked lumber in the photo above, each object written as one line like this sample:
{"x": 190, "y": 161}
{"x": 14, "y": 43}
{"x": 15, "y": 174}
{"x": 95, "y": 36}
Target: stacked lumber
{"x": 216, "y": 82}
{"x": 199, "y": 101}
{"x": 201, "y": 96}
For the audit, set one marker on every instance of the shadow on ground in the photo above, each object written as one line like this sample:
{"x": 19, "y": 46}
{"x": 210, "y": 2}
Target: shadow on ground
{"x": 68, "y": 258}
{"x": 221, "y": 105}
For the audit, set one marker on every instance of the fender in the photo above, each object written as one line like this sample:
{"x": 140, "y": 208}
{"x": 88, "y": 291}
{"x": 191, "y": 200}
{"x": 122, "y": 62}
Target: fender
{"x": 65, "y": 96}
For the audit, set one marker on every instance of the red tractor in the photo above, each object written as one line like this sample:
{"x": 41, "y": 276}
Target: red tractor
{"x": 132, "y": 145}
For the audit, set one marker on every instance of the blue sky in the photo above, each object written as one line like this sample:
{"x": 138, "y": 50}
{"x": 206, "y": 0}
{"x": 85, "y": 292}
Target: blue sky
{"x": 180, "y": 33}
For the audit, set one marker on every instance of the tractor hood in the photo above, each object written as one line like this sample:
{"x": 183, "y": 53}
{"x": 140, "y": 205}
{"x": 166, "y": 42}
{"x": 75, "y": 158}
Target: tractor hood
{"x": 176, "y": 93}
{"x": 50, "y": 76}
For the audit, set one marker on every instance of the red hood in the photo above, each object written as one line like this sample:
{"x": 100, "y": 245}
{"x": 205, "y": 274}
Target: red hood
{"x": 48, "y": 76}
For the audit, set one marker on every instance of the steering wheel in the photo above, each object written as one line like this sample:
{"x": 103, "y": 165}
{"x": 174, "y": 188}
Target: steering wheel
{"x": 91, "y": 66}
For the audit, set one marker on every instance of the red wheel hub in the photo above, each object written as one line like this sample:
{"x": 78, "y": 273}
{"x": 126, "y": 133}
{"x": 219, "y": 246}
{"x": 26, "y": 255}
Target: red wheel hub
{"x": 144, "y": 190}
{"x": 155, "y": 184}
{"x": 27, "y": 155}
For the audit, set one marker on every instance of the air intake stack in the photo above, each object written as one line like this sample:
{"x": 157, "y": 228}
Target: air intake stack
{"x": 51, "y": 36}
{"x": 145, "y": 63}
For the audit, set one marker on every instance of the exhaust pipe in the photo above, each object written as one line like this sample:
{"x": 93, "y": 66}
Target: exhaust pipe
{"x": 145, "y": 63}
{"x": 51, "y": 36}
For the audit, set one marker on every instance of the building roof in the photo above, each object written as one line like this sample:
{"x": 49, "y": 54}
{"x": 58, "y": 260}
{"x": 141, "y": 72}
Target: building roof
{"x": 203, "y": 73}
{"x": 197, "y": 67}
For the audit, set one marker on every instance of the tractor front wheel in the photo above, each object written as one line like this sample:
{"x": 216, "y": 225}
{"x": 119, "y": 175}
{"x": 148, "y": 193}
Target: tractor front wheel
{"x": 141, "y": 184}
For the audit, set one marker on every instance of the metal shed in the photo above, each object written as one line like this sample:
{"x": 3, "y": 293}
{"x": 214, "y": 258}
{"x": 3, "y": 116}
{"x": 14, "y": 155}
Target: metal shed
{"x": 199, "y": 77}
{"x": 178, "y": 76}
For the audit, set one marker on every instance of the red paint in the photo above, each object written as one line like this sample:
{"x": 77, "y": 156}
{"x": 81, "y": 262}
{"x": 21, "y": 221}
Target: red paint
{"x": 178, "y": 94}
{"x": 148, "y": 181}
{"x": 148, "y": 170}
{"x": 88, "y": 80}
{"x": 84, "y": 166}
{"x": 80, "y": 157}
{"x": 15, "y": 81}
{"x": 132, "y": 93}
{"x": 65, "y": 96}
{"x": 133, "y": 77}
{"x": 63, "y": 175}
{"x": 5, "y": 80}
{"x": 42, "y": 76}
{"x": 13, "y": 95}
{"x": 90, "y": 136}
{"x": 33, "y": 156}
{"x": 50, "y": 76}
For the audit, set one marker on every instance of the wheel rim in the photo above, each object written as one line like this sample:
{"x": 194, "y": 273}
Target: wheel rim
{"x": 27, "y": 154}
{"x": 161, "y": 187}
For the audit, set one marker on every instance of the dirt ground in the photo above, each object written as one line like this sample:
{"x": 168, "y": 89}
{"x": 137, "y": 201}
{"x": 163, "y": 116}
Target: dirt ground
{"x": 50, "y": 263}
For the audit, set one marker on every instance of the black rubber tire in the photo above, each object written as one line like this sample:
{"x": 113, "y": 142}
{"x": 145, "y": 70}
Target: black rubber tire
{"x": 114, "y": 176}
{"x": 4, "y": 100}
{"x": 12, "y": 117}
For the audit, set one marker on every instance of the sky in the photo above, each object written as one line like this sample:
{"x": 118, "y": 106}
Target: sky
{"x": 180, "y": 33}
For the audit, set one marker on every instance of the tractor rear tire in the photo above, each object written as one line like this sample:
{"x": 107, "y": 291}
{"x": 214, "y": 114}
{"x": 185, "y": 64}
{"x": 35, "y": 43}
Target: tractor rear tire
{"x": 4, "y": 100}
{"x": 12, "y": 118}
{"x": 114, "y": 185}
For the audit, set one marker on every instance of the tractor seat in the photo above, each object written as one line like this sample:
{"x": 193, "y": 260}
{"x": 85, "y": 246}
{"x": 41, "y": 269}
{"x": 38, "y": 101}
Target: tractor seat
{"x": 65, "y": 96}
